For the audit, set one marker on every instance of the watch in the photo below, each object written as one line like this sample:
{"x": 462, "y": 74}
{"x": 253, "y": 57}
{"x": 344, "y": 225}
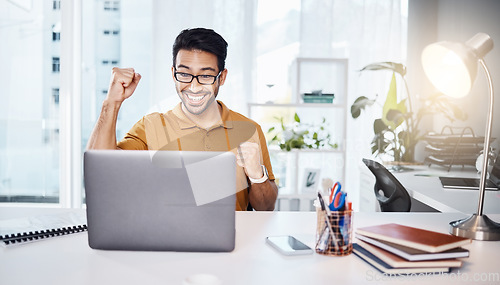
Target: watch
{"x": 264, "y": 177}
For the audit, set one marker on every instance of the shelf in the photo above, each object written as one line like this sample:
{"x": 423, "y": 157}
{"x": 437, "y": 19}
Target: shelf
{"x": 291, "y": 168}
{"x": 298, "y": 105}
{"x": 306, "y": 150}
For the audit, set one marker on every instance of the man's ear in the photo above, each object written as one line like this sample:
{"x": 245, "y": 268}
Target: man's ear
{"x": 173, "y": 71}
{"x": 222, "y": 77}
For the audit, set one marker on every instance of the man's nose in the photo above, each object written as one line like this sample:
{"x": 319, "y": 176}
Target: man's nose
{"x": 195, "y": 86}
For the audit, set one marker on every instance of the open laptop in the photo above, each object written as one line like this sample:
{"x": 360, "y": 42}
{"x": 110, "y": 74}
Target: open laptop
{"x": 160, "y": 200}
{"x": 493, "y": 183}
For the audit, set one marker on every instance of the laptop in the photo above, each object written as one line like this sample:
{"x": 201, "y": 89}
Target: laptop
{"x": 160, "y": 200}
{"x": 493, "y": 183}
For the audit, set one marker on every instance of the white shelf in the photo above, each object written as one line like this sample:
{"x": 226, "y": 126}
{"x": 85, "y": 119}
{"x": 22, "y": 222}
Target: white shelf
{"x": 297, "y": 105}
{"x": 333, "y": 78}
{"x": 339, "y": 151}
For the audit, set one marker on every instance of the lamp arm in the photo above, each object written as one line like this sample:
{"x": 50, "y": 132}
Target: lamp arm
{"x": 487, "y": 137}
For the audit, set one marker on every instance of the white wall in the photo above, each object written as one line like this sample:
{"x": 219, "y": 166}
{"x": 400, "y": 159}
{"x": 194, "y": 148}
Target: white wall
{"x": 456, "y": 20}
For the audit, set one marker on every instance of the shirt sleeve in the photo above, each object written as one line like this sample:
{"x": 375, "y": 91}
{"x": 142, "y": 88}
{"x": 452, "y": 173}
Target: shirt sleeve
{"x": 265, "y": 153}
{"x": 135, "y": 139}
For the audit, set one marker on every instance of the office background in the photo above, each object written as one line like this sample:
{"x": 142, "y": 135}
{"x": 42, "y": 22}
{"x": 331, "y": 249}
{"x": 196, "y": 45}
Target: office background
{"x": 57, "y": 56}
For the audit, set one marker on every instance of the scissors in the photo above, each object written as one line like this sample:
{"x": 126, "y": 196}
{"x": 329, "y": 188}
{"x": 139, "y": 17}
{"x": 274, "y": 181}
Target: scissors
{"x": 336, "y": 188}
{"x": 338, "y": 203}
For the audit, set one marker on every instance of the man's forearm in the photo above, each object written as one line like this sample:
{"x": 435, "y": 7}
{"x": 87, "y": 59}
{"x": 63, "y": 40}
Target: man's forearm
{"x": 263, "y": 196}
{"x": 104, "y": 134}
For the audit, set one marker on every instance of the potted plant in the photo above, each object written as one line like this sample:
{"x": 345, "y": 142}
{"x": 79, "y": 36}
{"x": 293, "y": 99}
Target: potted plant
{"x": 300, "y": 135}
{"x": 397, "y": 132}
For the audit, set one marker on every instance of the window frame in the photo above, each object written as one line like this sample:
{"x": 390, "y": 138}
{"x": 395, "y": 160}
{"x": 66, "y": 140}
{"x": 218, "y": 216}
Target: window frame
{"x": 70, "y": 157}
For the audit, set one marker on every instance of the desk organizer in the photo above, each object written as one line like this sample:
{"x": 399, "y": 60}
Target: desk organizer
{"x": 453, "y": 147}
{"x": 340, "y": 243}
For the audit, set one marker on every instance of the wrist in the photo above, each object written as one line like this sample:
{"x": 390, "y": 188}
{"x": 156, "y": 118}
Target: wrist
{"x": 111, "y": 104}
{"x": 262, "y": 179}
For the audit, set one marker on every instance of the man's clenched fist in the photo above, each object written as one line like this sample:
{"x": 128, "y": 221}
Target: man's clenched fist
{"x": 123, "y": 84}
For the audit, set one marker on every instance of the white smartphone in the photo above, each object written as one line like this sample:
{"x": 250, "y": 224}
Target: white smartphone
{"x": 288, "y": 245}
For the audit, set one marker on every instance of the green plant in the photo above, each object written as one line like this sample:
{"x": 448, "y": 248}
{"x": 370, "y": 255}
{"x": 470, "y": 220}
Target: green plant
{"x": 300, "y": 135}
{"x": 397, "y": 131}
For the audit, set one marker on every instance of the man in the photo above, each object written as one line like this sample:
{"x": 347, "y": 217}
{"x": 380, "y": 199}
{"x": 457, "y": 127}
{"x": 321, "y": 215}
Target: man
{"x": 199, "y": 122}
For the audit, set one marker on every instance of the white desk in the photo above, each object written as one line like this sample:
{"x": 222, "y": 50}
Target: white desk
{"x": 69, "y": 260}
{"x": 423, "y": 185}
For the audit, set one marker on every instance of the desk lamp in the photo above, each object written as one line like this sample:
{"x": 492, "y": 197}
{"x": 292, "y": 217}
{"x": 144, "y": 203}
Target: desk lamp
{"x": 451, "y": 68}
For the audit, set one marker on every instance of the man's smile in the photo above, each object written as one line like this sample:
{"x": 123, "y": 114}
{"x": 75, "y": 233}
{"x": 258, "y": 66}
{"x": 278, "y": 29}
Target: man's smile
{"x": 195, "y": 97}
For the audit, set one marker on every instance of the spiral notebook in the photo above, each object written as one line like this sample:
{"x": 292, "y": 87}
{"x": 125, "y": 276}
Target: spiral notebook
{"x": 29, "y": 229}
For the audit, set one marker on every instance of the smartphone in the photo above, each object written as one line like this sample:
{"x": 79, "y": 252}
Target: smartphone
{"x": 288, "y": 245}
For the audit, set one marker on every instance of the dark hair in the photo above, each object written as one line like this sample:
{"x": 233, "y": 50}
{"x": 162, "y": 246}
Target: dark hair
{"x": 202, "y": 39}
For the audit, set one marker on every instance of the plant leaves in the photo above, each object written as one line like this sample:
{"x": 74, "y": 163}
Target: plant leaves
{"x": 296, "y": 118}
{"x": 391, "y": 102}
{"x": 379, "y": 126}
{"x": 396, "y": 67}
{"x": 396, "y": 117}
{"x": 359, "y": 104}
{"x": 270, "y": 129}
{"x": 379, "y": 144}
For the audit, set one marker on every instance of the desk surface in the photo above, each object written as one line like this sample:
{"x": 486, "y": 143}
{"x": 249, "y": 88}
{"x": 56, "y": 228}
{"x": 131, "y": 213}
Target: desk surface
{"x": 69, "y": 260}
{"x": 423, "y": 184}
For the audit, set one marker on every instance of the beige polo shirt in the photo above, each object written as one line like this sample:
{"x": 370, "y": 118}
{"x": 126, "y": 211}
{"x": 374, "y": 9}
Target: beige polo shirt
{"x": 174, "y": 131}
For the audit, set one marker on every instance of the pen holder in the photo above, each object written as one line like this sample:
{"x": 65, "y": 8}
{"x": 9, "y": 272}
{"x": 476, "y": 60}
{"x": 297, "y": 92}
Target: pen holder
{"x": 336, "y": 238}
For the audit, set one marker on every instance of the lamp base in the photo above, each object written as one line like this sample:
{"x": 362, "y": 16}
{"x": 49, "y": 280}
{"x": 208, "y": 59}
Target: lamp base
{"x": 476, "y": 227}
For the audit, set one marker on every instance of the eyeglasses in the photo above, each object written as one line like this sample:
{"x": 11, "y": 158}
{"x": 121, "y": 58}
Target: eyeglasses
{"x": 202, "y": 78}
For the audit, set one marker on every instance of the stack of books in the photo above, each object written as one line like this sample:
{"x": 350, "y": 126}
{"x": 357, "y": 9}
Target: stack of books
{"x": 399, "y": 249}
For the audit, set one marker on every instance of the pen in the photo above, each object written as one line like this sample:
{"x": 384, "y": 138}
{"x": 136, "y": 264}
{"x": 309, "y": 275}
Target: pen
{"x": 327, "y": 220}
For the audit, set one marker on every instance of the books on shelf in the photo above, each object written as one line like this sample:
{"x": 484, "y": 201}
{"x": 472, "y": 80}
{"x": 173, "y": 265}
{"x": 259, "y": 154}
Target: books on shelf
{"x": 412, "y": 254}
{"x": 22, "y": 230}
{"x": 399, "y": 249}
{"x": 421, "y": 239}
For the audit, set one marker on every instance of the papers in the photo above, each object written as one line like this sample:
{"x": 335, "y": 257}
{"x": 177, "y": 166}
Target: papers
{"x": 20, "y": 230}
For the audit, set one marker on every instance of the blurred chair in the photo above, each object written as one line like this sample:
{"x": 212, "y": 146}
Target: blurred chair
{"x": 391, "y": 194}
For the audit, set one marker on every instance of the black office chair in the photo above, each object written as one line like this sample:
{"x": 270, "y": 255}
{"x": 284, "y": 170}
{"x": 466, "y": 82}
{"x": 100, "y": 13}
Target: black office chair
{"x": 391, "y": 195}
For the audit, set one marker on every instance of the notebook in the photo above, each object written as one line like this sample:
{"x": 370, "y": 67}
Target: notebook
{"x": 28, "y": 229}
{"x": 493, "y": 183}
{"x": 412, "y": 254}
{"x": 417, "y": 238}
{"x": 160, "y": 200}
{"x": 396, "y": 261}
{"x": 387, "y": 269}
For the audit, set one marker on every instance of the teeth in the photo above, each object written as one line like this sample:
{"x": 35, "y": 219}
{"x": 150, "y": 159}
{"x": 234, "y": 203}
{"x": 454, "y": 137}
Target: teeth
{"x": 195, "y": 98}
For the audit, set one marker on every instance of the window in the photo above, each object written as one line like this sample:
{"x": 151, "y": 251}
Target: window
{"x": 56, "y": 36}
{"x": 55, "y": 64}
{"x": 111, "y": 5}
{"x": 111, "y": 32}
{"x": 56, "y": 5}
{"x": 55, "y": 95}
{"x": 29, "y": 140}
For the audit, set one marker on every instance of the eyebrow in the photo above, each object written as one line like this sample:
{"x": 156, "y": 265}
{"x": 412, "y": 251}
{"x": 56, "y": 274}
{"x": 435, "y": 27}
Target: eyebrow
{"x": 203, "y": 69}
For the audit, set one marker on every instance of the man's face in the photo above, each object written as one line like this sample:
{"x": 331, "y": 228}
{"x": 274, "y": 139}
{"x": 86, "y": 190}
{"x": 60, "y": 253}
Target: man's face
{"x": 196, "y": 97}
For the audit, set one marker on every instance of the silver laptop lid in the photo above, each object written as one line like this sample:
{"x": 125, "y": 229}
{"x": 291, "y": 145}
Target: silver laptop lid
{"x": 160, "y": 200}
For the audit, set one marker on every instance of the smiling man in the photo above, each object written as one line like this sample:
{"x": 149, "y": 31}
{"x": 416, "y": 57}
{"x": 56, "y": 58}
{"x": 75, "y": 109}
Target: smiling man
{"x": 199, "y": 122}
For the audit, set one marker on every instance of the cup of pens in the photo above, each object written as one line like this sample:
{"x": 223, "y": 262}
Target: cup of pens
{"x": 334, "y": 224}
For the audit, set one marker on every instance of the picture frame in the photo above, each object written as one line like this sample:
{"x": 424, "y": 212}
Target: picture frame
{"x": 310, "y": 182}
